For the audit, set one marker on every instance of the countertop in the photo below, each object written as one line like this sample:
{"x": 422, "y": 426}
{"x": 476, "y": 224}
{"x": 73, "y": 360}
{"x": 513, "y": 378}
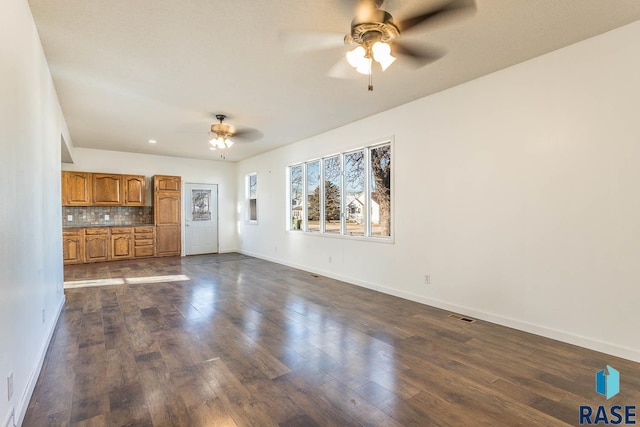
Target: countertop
{"x": 66, "y": 227}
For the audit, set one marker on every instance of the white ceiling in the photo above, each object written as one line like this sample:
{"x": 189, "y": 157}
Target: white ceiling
{"x": 130, "y": 71}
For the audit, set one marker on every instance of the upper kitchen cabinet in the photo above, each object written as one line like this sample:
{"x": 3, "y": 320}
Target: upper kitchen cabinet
{"x": 107, "y": 189}
{"x": 76, "y": 188}
{"x": 134, "y": 190}
{"x": 166, "y": 183}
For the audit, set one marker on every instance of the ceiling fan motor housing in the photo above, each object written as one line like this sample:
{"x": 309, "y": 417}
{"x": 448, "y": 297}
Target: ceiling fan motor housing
{"x": 378, "y": 28}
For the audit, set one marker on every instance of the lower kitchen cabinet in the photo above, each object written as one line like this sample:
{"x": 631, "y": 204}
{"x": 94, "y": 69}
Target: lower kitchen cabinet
{"x": 96, "y": 244}
{"x": 121, "y": 242}
{"x": 144, "y": 242}
{"x": 73, "y": 246}
{"x": 167, "y": 240}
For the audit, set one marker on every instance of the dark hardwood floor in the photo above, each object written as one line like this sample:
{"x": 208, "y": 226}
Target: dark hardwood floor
{"x": 251, "y": 343}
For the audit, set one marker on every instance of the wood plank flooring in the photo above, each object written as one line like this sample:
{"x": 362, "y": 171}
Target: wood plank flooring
{"x": 251, "y": 343}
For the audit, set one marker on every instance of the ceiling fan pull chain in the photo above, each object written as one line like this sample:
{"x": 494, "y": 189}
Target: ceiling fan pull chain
{"x": 370, "y": 75}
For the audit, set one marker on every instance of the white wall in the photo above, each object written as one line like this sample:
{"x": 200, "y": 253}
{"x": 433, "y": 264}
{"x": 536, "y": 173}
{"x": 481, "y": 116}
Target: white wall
{"x": 191, "y": 170}
{"x": 519, "y": 193}
{"x": 31, "y": 125}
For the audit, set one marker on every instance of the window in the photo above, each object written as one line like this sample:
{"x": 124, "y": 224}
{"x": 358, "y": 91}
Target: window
{"x": 313, "y": 196}
{"x": 354, "y": 198}
{"x": 252, "y": 197}
{"x": 355, "y": 195}
{"x": 380, "y": 191}
{"x": 296, "y": 195}
{"x": 332, "y": 195}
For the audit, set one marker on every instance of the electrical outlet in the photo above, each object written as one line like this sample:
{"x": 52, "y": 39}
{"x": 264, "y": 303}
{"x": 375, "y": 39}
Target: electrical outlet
{"x": 10, "y": 386}
{"x": 69, "y": 217}
{"x": 43, "y": 315}
{"x": 330, "y": 260}
{"x": 276, "y": 250}
{"x": 427, "y": 279}
{"x": 106, "y": 217}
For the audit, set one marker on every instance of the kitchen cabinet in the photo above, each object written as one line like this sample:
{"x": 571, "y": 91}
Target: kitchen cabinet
{"x": 144, "y": 242}
{"x": 107, "y": 189}
{"x": 134, "y": 190}
{"x": 76, "y": 188}
{"x": 73, "y": 246}
{"x": 96, "y": 244}
{"x": 121, "y": 243}
{"x": 167, "y": 203}
{"x": 167, "y": 183}
{"x": 167, "y": 240}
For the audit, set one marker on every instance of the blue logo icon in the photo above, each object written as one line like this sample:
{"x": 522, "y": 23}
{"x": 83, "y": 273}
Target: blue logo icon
{"x": 608, "y": 383}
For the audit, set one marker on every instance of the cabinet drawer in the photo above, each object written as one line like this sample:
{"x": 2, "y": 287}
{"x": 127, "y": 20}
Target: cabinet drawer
{"x": 72, "y": 232}
{"x": 92, "y": 231}
{"x": 121, "y": 230}
{"x": 144, "y": 236}
{"x": 144, "y": 229}
{"x": 141, "y": 251}
{"x": 144, "y": 242}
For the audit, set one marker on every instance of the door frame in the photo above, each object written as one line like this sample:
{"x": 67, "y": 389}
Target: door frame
{"x": 184, "y": 214}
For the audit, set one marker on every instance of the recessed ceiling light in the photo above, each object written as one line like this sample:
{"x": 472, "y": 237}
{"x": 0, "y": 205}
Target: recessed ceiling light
{"x": 152, "y": 141}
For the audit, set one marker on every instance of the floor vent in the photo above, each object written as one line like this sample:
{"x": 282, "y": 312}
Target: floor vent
{"x": 462, "y": 318}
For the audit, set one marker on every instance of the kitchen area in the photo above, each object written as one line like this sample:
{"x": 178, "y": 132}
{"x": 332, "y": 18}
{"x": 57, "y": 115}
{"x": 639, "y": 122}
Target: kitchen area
{"x": 106, "y": 216}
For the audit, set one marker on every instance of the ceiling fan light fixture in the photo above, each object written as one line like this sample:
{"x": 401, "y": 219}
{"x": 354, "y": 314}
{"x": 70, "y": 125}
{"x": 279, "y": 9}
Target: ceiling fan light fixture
{"x": 364, "y": 67}
{"x": 356, "y": 56}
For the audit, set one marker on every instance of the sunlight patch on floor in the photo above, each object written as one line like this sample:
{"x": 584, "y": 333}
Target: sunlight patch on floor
{"x": 127, "y": 280}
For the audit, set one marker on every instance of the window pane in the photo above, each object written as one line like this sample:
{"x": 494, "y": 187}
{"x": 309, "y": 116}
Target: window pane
{"x": 354, "y": 191}
{"x": 253, "y": 186}
{"x": 380, "y": 197}
{"x": 332, "y": 195}
{"x": 297, "y": 195}
{"x": 252, "y": 191}
{"x": 313, "y": 196}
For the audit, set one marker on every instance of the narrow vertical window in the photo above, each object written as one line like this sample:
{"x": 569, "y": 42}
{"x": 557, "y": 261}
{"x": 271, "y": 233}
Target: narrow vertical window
{"x": 332, "y": 195}
{"x": 252, "y": 196}
{"x": 380, "y": 191}
{"x": 297, "y": 197}
{"x": 354, "y": 187}
{"x": 313, "y": 196}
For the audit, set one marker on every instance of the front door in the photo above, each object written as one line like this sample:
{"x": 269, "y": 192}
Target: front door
{"x": 201, "y": 219}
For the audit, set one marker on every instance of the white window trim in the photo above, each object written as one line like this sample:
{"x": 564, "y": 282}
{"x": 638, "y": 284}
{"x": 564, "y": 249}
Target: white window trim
{"x": 247, "y": 193}
{"x": 343, "y": 228}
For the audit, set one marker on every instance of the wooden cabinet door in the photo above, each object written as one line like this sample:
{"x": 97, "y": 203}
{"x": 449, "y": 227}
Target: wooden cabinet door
{"x": 134, "y": 190}
{"x": 107, "y": 189}
{"x": 167, "y": 208}
{"x": 96, "y": 247}
{"x": 72, "y": 248}
{"x": 166, "y": 183}
{"x": 168, "y": 240}
{"x": 76, "y": 188}
{"x": 121, "y": 246}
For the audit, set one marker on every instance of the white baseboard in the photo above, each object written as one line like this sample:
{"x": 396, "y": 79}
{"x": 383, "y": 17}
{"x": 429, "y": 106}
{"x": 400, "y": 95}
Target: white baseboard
{"x": 586, "y": 342}
{"x": 21, "y": 410}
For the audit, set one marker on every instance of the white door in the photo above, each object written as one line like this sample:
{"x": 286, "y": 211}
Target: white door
{"x": 201, "y": 219}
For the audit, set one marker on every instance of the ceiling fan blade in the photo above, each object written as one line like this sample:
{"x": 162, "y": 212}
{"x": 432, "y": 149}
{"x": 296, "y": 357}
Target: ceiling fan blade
{"x": 304, "y": 41}
{"x": 454, "y": 8}
{"x": 342, "y": 70}
{"x": 420, "y": 57}
{"x": 246, "y": 135}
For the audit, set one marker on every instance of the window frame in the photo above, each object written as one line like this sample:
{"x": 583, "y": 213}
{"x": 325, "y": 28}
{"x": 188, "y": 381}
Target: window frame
{"x": 367, "y": 191}
{"x": 248, "y": 197}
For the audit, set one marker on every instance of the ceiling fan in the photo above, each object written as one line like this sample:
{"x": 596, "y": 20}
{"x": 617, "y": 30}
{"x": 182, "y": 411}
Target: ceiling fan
{"x": 222, "y": 133}
{"x": 376, "y": 36}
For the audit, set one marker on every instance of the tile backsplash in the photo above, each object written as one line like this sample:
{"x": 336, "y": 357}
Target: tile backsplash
{"x": 118, "y": 215}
